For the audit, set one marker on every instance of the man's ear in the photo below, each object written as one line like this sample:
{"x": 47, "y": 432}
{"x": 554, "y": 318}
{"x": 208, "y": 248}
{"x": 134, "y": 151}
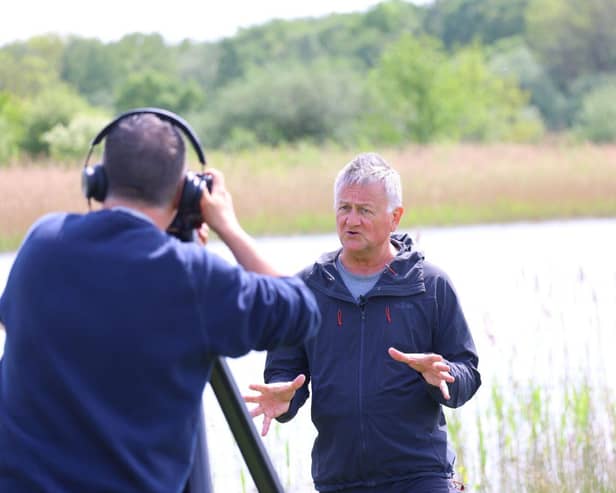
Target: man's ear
{"x": 396, "y": 215}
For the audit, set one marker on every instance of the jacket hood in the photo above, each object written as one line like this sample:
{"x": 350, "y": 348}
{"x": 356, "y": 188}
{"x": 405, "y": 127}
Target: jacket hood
{"x": 403, "y": 276}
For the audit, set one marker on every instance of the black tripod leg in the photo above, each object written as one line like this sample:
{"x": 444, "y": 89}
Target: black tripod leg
{"x": 249, "y": 442}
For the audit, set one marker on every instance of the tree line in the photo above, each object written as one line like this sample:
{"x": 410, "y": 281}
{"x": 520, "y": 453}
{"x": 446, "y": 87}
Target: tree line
{"x": 450, "y": 70}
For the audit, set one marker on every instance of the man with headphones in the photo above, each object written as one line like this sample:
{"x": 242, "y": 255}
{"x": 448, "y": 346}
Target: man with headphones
{"x": 113, "y": 325}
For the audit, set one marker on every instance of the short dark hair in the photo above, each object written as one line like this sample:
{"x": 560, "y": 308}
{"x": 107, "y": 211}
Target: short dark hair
{"x": 144, "y": 159}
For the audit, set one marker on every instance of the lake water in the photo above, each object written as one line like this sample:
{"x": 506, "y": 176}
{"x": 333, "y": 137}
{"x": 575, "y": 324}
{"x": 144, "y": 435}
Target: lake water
{"x": 540, "y": 299}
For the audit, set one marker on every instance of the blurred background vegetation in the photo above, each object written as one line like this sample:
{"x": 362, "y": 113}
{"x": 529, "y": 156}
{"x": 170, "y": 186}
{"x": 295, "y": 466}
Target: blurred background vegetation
{"x": 399, "y": 73}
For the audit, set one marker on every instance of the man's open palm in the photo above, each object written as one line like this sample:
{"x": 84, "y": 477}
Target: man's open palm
{"x": 273, "y": 399}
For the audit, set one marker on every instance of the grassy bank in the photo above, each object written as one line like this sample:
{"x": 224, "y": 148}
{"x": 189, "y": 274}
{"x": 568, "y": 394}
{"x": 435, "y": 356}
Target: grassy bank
{"x": 289, "y": 191}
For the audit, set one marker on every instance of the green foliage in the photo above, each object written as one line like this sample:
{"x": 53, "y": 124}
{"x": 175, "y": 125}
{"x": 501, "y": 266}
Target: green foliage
{"x": 46, "y": 46}
{"x": 11, "y": 127}
{"x": 398, "y": 72}
{"x": 480, "y": 105}
{"x": 460, "y": 22}
{"x": 357, "y": 38}
{"x": 71, "y": 141}
{"x": 424, "y": 95}
{"x": 30, "y": 65}
{"x": 512, "y": 58}
{"x": 573, "y": 38}
{"x": 285, "y": 103}
{"x": 54, "y": 105}
{"x": 158, "y": 89}
{"x": 137, "y": 52}
{"x": 404, "y": 83}
{"x": 597, "y": 118}
{"x": 239, "y": 138}
{"x": 198, "y": 62}
{"x": 90, "y": 67}
{"x": 25, "y": 76}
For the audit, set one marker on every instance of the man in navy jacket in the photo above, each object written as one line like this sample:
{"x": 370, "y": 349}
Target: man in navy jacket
{"x": 393, "y": 348}
{"x": 112, "y": 327}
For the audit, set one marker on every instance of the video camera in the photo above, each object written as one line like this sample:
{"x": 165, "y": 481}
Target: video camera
{"x": 189, "y": 217}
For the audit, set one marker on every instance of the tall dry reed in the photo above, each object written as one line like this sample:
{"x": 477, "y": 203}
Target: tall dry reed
{"x": 289, "y": 190}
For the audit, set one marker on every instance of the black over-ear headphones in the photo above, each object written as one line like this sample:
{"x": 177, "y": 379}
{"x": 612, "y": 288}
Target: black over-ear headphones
{"x": 188, "y": 217}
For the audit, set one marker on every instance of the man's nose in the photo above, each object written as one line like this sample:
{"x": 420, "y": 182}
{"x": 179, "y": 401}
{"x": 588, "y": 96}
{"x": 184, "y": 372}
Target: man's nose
{"x": 353, "y": 216}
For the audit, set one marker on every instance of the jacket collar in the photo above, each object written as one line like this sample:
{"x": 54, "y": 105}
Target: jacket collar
{"x": 403, "y": 276}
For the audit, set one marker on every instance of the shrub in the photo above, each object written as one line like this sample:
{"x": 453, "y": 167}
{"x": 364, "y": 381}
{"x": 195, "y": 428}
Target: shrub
{"x": 596, "y": 120}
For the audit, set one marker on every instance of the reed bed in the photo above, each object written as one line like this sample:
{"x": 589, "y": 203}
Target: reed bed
{"x": 539, "y": 441}
{"x": 289, "y": 190}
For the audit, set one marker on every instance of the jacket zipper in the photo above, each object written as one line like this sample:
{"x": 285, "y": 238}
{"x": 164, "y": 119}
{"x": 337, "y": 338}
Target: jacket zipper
{"x": 360, "y": 393}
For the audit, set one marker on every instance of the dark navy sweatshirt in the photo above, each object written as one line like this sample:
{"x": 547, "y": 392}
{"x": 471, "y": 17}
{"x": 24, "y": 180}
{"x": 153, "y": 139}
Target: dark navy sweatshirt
{"x": 112, "y": 329}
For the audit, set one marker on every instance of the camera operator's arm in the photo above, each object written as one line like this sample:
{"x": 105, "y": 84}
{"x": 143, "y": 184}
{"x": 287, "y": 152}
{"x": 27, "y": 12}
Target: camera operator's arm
{"x": 219, "y": 214}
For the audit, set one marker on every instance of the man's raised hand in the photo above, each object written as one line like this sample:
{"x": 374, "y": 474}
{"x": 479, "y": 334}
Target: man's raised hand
{"x": 273, "y": 399}
{"x": 431, "y": 366}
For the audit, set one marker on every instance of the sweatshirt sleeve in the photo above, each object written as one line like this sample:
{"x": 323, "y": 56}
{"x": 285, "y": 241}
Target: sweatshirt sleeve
{"x": 244, "y": 311}
{"x": 453, "y": 340}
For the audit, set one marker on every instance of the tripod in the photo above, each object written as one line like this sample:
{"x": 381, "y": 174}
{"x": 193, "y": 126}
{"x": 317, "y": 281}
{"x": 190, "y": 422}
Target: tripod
{"x": 239, "y": 421}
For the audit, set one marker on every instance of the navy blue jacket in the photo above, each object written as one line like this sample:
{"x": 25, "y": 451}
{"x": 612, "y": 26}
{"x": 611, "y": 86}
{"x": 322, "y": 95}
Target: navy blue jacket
{"x": 112, "y": 329}
{"x": 378, "y": 420}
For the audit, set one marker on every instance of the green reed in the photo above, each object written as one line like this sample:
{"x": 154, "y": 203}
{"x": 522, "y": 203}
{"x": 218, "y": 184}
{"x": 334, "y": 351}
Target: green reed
{"x": 543, "y": 440}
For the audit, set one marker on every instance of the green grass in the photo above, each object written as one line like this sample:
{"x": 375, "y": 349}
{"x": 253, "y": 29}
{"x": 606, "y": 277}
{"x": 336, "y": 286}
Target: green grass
{"x": 542, "y": 440}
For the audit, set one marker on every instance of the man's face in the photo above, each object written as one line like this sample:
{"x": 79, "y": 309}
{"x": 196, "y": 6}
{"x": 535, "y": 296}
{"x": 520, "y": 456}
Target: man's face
{"x": 362, "y": 221}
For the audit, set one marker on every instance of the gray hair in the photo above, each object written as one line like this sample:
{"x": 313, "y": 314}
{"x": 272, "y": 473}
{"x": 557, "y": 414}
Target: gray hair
{"x": 368, "y": 168}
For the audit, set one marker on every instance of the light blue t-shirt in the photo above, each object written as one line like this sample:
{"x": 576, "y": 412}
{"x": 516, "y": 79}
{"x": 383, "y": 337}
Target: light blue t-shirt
{"x": 357, "y": 284}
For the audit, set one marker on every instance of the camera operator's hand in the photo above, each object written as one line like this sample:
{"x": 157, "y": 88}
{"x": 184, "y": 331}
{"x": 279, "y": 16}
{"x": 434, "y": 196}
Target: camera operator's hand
{"x": 217, "y": 207}
{"x": 218, "y": 212}
{"x": 203, "y": 234}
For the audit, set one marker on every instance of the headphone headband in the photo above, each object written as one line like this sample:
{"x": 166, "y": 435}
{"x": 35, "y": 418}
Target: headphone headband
{"x": 189, "y": 216}
{"x": 163, "y": 115}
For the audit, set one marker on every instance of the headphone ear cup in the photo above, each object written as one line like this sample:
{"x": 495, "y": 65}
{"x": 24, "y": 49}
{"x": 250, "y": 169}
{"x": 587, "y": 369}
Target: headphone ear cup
{"x": 94, "y": 182}
{"x": 188, "y": 216}
{"x": 190, "y": 200}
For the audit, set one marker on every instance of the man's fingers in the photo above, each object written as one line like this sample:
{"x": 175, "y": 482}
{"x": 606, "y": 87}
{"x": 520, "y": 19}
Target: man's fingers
{"x": 298, "y": 381}
{"x": 259, "y": 387}
{"x": 444, "y": 389}
{"x": 295, "y": 384}
{"x": 422, "y": 359}
{"x": 256, "y": 411}
{"x": 203, "y": 233}
{"x": 444, "y": 371}
{"x": 217, "y": 177}
{"x": 254, "y": 399}
{"x": 448, "y": 377}
{"x": 397, "y": 355}
{"x": 266, "y": 425}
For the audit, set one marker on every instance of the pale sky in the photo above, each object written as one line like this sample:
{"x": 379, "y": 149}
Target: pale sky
{"x": 175, "y": 20}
